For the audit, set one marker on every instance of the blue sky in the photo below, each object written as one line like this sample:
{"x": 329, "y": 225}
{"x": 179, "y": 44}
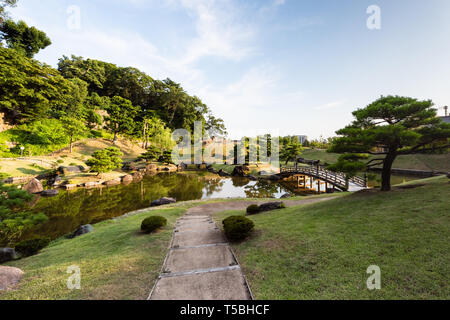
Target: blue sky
{"x": 278, "y": 66}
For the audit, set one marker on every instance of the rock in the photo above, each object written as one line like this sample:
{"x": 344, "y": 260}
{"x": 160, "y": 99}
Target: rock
{"x": 127, "y": 179}
{"x": 166, "y": 169}
{"x": 54, "y": 181}
{"x": 137, "y": 176}
{"x": 182, "y": 166}
{"x": 253, "y": 178}
{"x": 240, "y": 171}
{"x": 18, "y": 180}
{"x": 269, "y": 206}
{"x": 114, "y": 182}
{"x": 151, "y": 167}
{"x": 9, "y": 277}
{"x": 91, "y": 184}
{"x": 7, "y": 254}
{"x": 70, "y": 186}
{"x": 264, "y": 173}
{"x": 274, "y": 177}
{"x": 34, "y": 186}
{"x": 71, "y": 169}
{"x": 286, "y": 195}
{"x": 50, "y": 193}
{"x": 82, "y": 230}
{"x": 163, "y": 201}
{"x": 223, "y": 173}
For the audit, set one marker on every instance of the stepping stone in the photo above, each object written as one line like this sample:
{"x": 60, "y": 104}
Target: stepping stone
{"x": 198, "y": 238}
{"x": 183, "y": 260}
{"x": 221, "y": 285}
{"x": 197, "y": 226}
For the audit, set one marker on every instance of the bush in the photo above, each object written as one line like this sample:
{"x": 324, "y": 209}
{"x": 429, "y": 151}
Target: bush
{"x": 31, "y": 247}
{"x": 237, "y": 227}
{"x": 252, "y": 209}
{"x": 152, "y": 223}
{"x": 60, "y": 161}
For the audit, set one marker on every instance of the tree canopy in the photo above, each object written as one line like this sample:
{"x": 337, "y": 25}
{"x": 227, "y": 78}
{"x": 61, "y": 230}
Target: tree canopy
{"x": 389, "y": 127}
{"x": 24, "y": 39}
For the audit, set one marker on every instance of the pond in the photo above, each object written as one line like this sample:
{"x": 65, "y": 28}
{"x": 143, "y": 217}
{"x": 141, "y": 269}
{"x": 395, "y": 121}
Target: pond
{"x": 70, "y": 209}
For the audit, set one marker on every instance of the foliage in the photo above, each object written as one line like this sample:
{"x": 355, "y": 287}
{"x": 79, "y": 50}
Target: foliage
{"x": 237, "y": 227}
{"x": 33, "y": 246}
{"x": 24, "y": 39}
{"x": 350, "y": 164}
{"x": 252, "y": 209}
{"x": 291, "y": 151}
{"x": 28, "y": 89}
{"x": 153, "y": 153}
{"x": 74, "y": 128}
{"x": 105, "y": 160}
{"x": 3, "y": 5}
{"x": 121, "y": 113}
{"x": 14, "y": 218}
{"x": 166, "y": 157}
{"x": 389, "y": 127}
{"x": 153, "y": 223}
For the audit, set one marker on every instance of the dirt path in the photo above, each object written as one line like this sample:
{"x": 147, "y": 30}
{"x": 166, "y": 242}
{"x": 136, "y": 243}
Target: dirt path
{"x": 200, "y": 264}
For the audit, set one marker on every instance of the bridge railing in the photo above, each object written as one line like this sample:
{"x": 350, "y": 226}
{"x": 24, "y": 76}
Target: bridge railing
{"x": 337, "y": 178}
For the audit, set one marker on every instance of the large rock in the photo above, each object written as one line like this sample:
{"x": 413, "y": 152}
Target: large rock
{"x": 127, "y": 179}
{"x": 114, "y": 182}
{"x": 71, "y": 169}
{"x": 9, "y": 277}
{"x": 50, "y": 193}
{"x": 223, "y": 173}
{"x": 91, "y": 184}
{"x": 70, "y": 186}
{"x": 137, "y": 176}
{"x": 163, "y": 201}
{"x": 82, "y": 230}
{"x": 240, "y": 171}
{"x": 34, "y": 186}
{"x": 152, "y": 167}
{"x": 269, "y": 206}
{"x": 7, "y": 254}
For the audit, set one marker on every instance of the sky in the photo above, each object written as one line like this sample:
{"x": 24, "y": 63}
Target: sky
{"x": 287, "y": 67}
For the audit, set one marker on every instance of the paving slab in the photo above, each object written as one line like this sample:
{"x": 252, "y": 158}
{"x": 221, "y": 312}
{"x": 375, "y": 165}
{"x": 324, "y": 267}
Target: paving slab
{"x": 198, "y": 238}
{"x": 182, "y": 260}
{"x": 222, "y": 285}
{"x": 195, "y": 226}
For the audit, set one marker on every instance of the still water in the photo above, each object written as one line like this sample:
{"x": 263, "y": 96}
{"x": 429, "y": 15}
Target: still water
{"x": 70, "y": 209}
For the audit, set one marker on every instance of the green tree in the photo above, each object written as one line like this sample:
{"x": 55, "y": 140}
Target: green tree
{"x": 153, "y": 153}
{"x": 166, "y": 157}
{"x": 105, "y": 160}
{"x": 28, "y": 89}
{"x": 74, "y": 128}
{"x": 291, "y": 151}
{"x": 15, "y": 219}
{"x": 3, "y": 5}
{"x": 27, "y": 40}
{"x": 215, "y": 126}
{"x": 93, "y": 72}
{"x": 389, "y": 127}
{"x": 121, "y": 116}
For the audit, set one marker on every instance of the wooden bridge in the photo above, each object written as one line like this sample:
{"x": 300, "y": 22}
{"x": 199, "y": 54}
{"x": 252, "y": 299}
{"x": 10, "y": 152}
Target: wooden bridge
{"x": 336, "y": 179}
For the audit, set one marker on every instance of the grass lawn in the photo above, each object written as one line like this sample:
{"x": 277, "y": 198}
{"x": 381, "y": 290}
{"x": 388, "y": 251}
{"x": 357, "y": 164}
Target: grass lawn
{"x": 322, "y": 251}
{"x": 117, "y": 261}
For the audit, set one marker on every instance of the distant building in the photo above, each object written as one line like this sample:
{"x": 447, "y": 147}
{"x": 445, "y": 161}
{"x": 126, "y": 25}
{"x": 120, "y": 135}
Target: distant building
{"x": 302, "y": 139}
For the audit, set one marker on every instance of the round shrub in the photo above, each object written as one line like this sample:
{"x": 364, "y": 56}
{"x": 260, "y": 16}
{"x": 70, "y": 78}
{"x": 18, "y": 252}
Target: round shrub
{"x": 237, "y": 227}
{"x": 152, "y": 223}
{"x": 31, "y": 247}
{"x": 252, "y": 209}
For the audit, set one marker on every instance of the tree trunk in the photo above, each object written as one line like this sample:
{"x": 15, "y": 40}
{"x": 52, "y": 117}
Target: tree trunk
{"x": 71, "y": 144}
{"x": 386, "y": 172}
{"x": 115, "y": 138}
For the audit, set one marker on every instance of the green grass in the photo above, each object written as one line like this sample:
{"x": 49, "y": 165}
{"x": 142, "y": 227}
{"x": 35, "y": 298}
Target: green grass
{"x": 427, "y": 162}
{"x": 117, "y": 261}
{"x": 322, "y": 251}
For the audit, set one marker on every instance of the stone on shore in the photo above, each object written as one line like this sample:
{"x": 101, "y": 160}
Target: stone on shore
{"x": 9, "y": 277}
{"x": 127, "y": 179}
{"x": 82, "y": 230}
{"x": 50, "y": 193}
{"x": 163, "y": 201}
{"x": 7, "y": 254}
{"x": 34, "y": 186}
{"x": 71, "y": 169}
{"x": 114, "y": 182}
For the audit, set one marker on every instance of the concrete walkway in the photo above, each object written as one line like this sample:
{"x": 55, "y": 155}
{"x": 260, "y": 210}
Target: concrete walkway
{"x": 200, "y": 264}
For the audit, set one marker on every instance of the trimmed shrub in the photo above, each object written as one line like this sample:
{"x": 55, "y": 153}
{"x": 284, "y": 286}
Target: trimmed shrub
{"x": 252, "y": 209}
{"x": 152, "y": 223}
{"x": 31, "y": 247}
{"x": 237, "y": 227}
